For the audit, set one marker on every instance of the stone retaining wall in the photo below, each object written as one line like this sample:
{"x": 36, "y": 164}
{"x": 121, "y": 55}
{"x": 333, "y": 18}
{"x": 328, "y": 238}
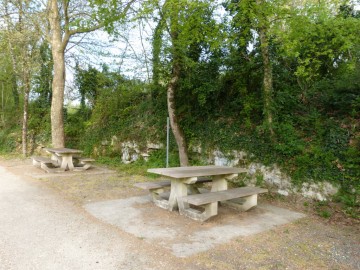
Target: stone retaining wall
{"x": 270, "y": 176}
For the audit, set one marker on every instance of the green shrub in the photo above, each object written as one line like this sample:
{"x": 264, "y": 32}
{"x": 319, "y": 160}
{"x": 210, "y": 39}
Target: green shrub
{"x": 8, "y": 140}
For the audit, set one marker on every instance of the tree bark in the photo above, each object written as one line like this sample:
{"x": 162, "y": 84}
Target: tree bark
{"x": 15, "y": 91}
{"x": 25, "y": 113}
{"x": 58, "y": 84}
{"x": 2, "y": 105}
{"x": 267, "y": 80}
{"x": 58, "y": 87}
{"x": 173, "y": 85}
{"x": 178, "y": 134}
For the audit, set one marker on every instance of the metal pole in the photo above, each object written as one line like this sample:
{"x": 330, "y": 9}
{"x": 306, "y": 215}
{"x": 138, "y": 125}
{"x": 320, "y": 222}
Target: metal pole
{"x": 2, "y": 96}
{"x": 2, "y": 104}
{"x": 167, "y": 140}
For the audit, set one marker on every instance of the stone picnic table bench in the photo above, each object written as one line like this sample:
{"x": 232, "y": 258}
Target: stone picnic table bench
{"x": 62, "y": 159}
{"x": 185, "y": 195}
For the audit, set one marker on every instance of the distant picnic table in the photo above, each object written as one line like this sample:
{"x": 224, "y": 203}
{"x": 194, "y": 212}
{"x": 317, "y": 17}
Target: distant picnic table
{"x": 63, "y": 159}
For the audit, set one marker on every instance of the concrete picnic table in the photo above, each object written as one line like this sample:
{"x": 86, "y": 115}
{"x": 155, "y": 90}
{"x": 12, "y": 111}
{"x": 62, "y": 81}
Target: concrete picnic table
{"x": 64, "y": 156}
{"x": 181, "y": 177}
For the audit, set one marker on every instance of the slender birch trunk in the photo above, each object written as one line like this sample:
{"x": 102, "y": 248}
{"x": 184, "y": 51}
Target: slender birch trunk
{"x": 25, "y": 113}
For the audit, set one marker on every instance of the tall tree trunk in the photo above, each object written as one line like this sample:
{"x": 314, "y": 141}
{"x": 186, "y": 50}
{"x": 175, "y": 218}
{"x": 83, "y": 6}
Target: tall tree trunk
{"x": 58, "y": 84}
{"x": 178, "y": 134}
{"x": 15, "y": 91}
{"x": 60, "y": 31}
{"x": 267, "y": 80}
{"x": 25, "y": 112}
{"x": 173, "y": 85}
{"x": 25, "y": 78}
{"x": 2, "y": 105}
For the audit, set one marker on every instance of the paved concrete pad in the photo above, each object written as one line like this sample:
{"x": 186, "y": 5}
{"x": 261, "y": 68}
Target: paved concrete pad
{"x": 182, "y": 236}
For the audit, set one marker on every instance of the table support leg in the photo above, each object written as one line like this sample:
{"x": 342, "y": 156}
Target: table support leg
{"x": 157, "y": 199}
{"x": 67, "y": 162}
{"x": 57, "y": 159}
{"x": 178, "y": 189}
{"x": 209, "y": 211}
{"x": 242, "y": 204}
{"x": 219, "y": 183}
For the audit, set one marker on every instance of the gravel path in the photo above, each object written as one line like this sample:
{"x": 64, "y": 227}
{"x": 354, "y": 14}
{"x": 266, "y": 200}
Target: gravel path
{"x": 40, "y": 230}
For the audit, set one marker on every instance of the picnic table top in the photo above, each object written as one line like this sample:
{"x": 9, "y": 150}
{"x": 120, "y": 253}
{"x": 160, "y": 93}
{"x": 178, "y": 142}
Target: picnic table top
{"x": 196, "y": 171}
{"x": 63, "y": 150}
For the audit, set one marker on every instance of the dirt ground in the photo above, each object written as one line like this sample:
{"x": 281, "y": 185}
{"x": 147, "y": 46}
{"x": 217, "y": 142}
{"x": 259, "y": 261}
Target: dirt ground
{"x": 312, "y": 242}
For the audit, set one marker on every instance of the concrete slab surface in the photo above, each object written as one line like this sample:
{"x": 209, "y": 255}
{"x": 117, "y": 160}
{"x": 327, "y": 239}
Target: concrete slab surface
{"x": 182, "y": 236}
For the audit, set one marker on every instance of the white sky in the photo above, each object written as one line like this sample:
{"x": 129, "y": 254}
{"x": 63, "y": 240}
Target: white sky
{"x": 129, "y": 54}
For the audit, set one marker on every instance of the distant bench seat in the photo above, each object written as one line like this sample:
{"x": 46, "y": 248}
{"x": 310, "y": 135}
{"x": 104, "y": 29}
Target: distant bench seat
{"x": 52, "y": 166}
{"x": 85, "y": 163}
{"x": 209, "y": 201}
{"x": 46, "y": 164}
